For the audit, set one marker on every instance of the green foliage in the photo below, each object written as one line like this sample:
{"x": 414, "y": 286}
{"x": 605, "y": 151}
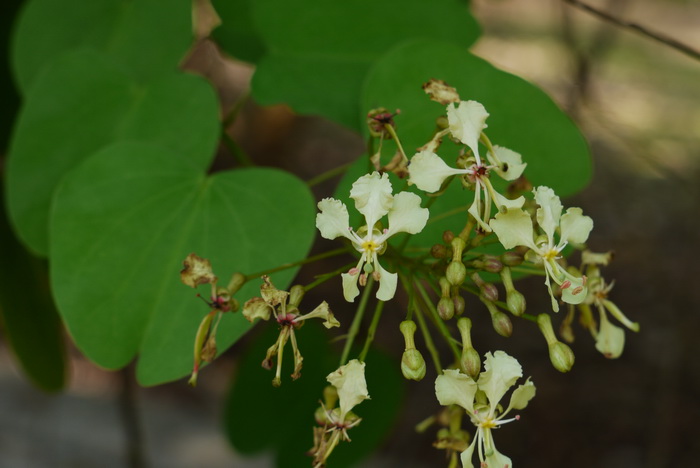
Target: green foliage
{"x": 84, "y": 101}
{"x": 318, "y": 55}
{"x": 116, "y": 253}
{"x": 138, "y": 35}
{"x": 237, "y": 34}
{"x": 523, "y": 118}
{"x": 275, "y": 425}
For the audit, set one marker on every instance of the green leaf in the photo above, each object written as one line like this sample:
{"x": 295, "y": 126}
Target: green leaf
{"x": 317, "y": 59}
{"x": 122, "y": 223}
{"x": 259, "y": 416}
{"x": 522, "y": 118}
{"x": 237, "y": 34}
{"x": 147, "y": 38}
{"x": 82, "y": 102}
{"x": 29, "y": 319}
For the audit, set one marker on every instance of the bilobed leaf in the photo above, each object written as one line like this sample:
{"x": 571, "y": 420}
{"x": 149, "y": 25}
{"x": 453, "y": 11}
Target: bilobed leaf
{"x": 84, "y": 101}
{"x": 28, "y": 318}
{"x": 145, "y": 37}
{"x": 522, "y": 118}
{"x": 122, "y": 223}
{"x": 317, "y": 58}
{"x": 262, "y": 417}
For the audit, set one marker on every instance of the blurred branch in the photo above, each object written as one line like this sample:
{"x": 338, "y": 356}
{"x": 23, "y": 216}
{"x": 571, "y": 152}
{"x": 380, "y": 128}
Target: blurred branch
{"x": 679, "y": 46}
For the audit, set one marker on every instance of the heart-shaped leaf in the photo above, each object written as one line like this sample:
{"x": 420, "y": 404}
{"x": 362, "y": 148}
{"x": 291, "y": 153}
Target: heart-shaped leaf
{"x": 317, "y": 59}
{"x": 84, "y": 101}
{"x": 122, "y": 223}
{"x": 147, "y": 38}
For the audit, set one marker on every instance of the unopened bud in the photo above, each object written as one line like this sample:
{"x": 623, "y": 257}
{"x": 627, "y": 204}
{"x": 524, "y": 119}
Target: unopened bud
{"x": 459, "y": 304}
{"x": 439, "y": 251}
{"x": 447, "y": 237}
{"x": 516, "y": 302}
{"x": 502, "y": 324}
{"x": 296, "y": 294}
{"x": 488, "y": 290}
{"x": 470, "y": 363}
{"x": 412, "y": 365}
{"x": 562, "y": 356}
{"x": 446, "y": 308}
{"x": 236, "y": 282}
{"x": 456, "y": 273}
{"x": 491, "y": 264}
{"x": 512, "y": 258}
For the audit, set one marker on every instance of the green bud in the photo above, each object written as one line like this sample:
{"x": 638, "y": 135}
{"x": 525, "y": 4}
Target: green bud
{"x": 320, "y": 416}
{"x": 512, "y": 258}
{"x": 446, "y": 308}
{"x": 470, "y": 363}
{"x": 442, "y": 122}
{"x": 562, "y": 356}
{"x": 456, "y": 273}
{"x": 439, "y": 251}
{"x": 296, "y": 294}
{"x": 516, "y": 302}
{"x": 236, "y": 282}
{"x": 488, "y": 290}
{"x": 502, "y": 324}
{"x": 491, "y": 264}
{"x": 459, "y": 304}
{"x": 412, "y": 365}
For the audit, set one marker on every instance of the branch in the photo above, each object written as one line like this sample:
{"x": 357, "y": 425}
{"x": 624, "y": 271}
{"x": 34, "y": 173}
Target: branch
{"x": 679, "y": 46}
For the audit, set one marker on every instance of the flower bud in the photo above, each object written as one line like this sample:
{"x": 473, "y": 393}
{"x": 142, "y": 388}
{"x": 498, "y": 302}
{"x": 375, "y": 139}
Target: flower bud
{"x": 447, "y": 237}
{"x": 512, "y": 258}
{"x": 561, "y": 356}
{"x": 470, "y": 363}
{"x": 439, "y": 251}
{"x": 237, "y": 281}
{"x": 412, "y": 365}
{"x": 488, "y": 290}
{"x": 459, "y": 304}
{"x": 502, "y": 324}
{"x": 456, "y": 273}
{"x": 516, "y": 302}
{"x": 296, "y": 294}
{"x": 446, "y": 308}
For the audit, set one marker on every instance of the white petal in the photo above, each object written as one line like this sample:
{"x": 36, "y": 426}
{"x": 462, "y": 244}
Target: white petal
{"x": 350, "y": 290}
{"x": 387, "y": 283}
{"x": 466, "y": 456}
{"x": 350, "y": 382}
{"x": 512, "y": 160}
{"x": 455, "y": 388}
{"x": 611, "y": 338}
{"x": 406, "y": 214}
{"x": 476, "y": 209}
{"x": 513, "y": 228}
{"x": 428, "y": 171}
{"x": 499, "y": 200}
{"x": 501, "y": 372}
{"x": 467, "y": 121}
{"x": 550, "y": 210}
{"x": 522, "y": 395}
{"x": 333, "y": 220}
{"x": 372, "y": 195}
{"x": 547, "y": 282}
{"x": 497, "y": 459}
{"x": 575, "y": 227}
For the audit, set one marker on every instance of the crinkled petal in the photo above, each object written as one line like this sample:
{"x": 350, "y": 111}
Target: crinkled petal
{"x": 549, "y": 212}
{"x": 512, "y": 161}
{"x": 611, "y": 338}
{"x": 257, "y": 308}
{"x": 522, "y": 395}
{"x": 350, "y": 382}
{"x": 575, "y": 227}
{"x": 428, "y": 171}
{"x": 455, "y": 388}
{"x": 513, "y": 228}
{"x": 372, "y": 195}
{"x": 387, "y": 283}
{"x": 406, "y": 214}
{"x": 467, "y": 121}
{"x": 501, "y": 372}
{"x": 499, "y": 200}
{"x": 466, "y": 456}
{"x": 350, "y": 289}
{"x": 333, "y": 220}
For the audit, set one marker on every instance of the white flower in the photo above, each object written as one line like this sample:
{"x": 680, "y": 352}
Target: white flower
{"x": 466, "y": 122}
{"x": 350, "y": 382}
{"x": 373, "y": 198}
{"x": 514, "y": 227}
{"x": 500, "y": 374}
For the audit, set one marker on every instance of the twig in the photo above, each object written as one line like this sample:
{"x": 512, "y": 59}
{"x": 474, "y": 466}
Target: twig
{"x": 662, "y": 38}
